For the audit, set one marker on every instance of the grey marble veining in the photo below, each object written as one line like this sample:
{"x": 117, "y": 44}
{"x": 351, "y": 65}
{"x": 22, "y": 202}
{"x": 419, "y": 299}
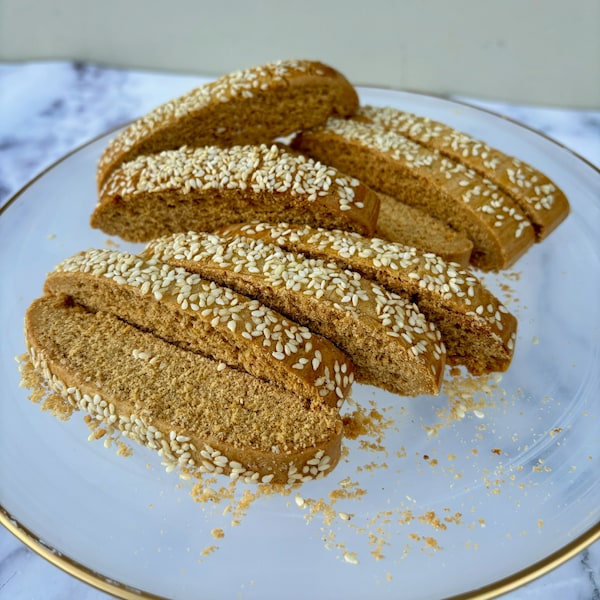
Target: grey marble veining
{"x": 48, "y": 109}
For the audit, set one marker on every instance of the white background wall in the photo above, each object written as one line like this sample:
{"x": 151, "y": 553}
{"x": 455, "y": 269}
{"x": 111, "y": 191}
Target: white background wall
{"x": 537, "y": 51}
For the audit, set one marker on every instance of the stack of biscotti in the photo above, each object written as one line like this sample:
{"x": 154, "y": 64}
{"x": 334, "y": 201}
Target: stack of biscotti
{"x": 477, "y": 329}
{"x": 277, "y": 319}
{"x": 207, "y": 159}
{"x": 252, "y": 106}
{"x": 387, "y": 337}
{"x": 226, "y": 353}
{"x": 540, "y": 199}
{"x": 277, "y": 275}
{"x": 212, "y": 379}
{"x": 502, "y": 204}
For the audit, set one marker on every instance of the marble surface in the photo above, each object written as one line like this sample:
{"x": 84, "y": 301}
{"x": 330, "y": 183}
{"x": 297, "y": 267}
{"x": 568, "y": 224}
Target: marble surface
{"x": 50, "y": 108}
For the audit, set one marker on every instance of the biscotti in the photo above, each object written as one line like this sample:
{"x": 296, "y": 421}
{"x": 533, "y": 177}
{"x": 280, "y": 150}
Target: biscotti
{"x": 541, "y": 199}
{"x": 196, "y": 415}
{"x": 390, "y": 163}
{"x": 477, "y": 329}
{"x": 390, "y": 342}
{"x": 204, "y": 317}
{"x": 203, "y": 188}
{"x": 252, "y": 106}
{"x": 399, "y": 222}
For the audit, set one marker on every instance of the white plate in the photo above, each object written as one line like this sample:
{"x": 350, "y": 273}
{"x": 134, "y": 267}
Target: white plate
{"x": 484, "y": 504}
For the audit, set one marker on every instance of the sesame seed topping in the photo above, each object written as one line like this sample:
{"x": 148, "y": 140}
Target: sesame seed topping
{"x": 416, "y": 272}
{"x": 253, "y": 169}
{"x": 435, "y": 284}
{"x": 271, "y": 334}
{"x": 480, "y": 202}
{"x": 514, "y": 177}
{"x": 285, "y": 273}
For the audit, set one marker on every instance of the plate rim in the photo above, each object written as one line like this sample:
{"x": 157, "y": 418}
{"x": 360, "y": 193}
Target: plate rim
{"x": 126, "y": 592}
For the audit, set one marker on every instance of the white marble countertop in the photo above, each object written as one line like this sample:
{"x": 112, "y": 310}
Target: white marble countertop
{"x": 50, "y": 108}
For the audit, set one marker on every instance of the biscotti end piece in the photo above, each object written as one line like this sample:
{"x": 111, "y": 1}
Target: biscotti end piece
{"x": 538, "y": 196}
{"x": 195, "y": 414}
{"x": 390, "y": 163}
{"x": 201, "y": 189}
{"x": 203, "y": 317}
{"x": 399, "y": 222}
{"x": 477, "y": 329}
{"x": 252, "y": 106}
{"x": 389, "y": 340}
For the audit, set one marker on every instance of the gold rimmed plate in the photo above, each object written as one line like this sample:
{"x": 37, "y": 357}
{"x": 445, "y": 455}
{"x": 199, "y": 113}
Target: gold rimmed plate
{"x": 467, "y": 494}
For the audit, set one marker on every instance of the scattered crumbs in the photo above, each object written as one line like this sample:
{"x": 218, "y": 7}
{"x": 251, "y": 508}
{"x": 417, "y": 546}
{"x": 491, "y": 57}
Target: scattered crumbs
{"x": 123, "y": 449}
{"x": 456, "y": 518}
{"x": 540, "y": 467}
{"x": 535, "y": 340}
{"x": 209, "y": 550}
{"x": 388, "y": 577}
{"x": 378, "y": 543}
{"x": 51, "y": 236}
{"x": 348, "y": 490}
{"x": 372, "y": 446}
{"x": 432, "y": 543}
{"x": 512, "y": 275}
{"x": 430, "y": 518}
{"x": 362, "y": 422}
{"x": 372, "y": 466}
{"x": 467, "y": 394}
{"x": 110, "y": 243}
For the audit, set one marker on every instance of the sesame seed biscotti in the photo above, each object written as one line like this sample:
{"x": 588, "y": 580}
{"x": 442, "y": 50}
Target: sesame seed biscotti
{"x": 203, "y": 317}
{"x": 477, "y": 329}
{"x": 541, "y": 199}
{"x": 389, "y": 341}
{"x": 196, "y": 416}
{"x": 251, "y": 106}
{"x": 203, "y": 188}
{"x": 390, "y": 163}
{"x": 411, "y": 226}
